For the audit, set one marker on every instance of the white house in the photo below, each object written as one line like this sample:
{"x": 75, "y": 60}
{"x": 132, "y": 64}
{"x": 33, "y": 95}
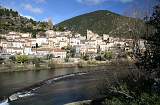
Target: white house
{"x": 33, "y": 42}
{"x": 103, "y": 47}
{"x": 63, "y": 44}
{"x": 50, "y": 33}
{"x": 82, "y": 37}
{"x": 105, "y": 37}
{"x": 91, "y": 42}
{"x": 13, "y": 50}
{"x": 61, "y": 38}
{"x": 99, "y": 41}
{"x": 41, "y": 40}
{"x": 3, "y": 43}
{"x": 74, "y": 41}
{"x": 28, "y": 51}
{"x": 41, "y": 51}
{"x": 83, "y": 49}
{"x": 13, "y": 35}
{"x": 25, "y": 35}
{"x": 90, "y": 34}
{"x": 18, "y": 44}
{"x": 91, "y": 49}
{"x": 59, "y": 53}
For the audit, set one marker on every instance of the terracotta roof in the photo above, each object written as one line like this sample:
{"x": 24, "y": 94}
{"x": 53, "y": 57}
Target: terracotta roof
{"x": 42, "y": 49}
{"x": 15, "y": 48}
{"x": 44, "y": 43}
{"x": 58, "y": 50}
{"x": 28, "y": 46}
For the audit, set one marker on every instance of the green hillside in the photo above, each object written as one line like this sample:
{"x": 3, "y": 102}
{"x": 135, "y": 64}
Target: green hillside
{"x": 11, "y": 20}
{"x": 105, "y": 22}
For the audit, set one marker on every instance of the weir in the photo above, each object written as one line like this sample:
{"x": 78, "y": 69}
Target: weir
{"x": 29, "y": 91}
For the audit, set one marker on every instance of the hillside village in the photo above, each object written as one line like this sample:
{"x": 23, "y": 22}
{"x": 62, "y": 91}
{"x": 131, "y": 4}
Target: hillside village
{"x": 61, "y": 44}
{"x": 40, "y": 39}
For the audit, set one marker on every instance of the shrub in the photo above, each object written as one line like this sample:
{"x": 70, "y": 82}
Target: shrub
{"x": 85, "y": 57}
{"x": 22, "y": 58}
{"x": 36, "y": 61}
{"x": 108, "y": 55}
{"x": 51, "y": 64}
{"x": 99, "y": 58}
{"x": 49, "y": 56}
{"x": 13, "y": 58}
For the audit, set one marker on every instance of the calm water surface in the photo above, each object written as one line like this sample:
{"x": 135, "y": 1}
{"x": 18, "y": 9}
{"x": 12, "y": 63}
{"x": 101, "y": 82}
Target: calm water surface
{"x": 68, "y": 90}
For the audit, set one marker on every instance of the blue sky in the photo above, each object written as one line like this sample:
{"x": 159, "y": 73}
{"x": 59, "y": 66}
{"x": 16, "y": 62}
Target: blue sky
{"x": 59, "y": 10}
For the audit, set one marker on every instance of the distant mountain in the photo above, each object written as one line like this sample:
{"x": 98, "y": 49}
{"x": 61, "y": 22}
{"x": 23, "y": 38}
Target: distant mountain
{"x": 105, "y": 22}
{"x": 11, "y": 20}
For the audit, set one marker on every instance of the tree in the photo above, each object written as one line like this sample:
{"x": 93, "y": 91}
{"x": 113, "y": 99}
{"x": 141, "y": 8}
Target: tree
{"x": 85, "y": 57}
{"x": 34, "y": 34}
{"x": 108, "y": 55}
{"x": 99, "y": 58}
{"x": 149, "y": 62}
{"x": 72, "y": 52}
{"x": 22, "y": 58}
{"x": 36, "y": 61}
{"x": 2, "y": 37}
{"x": 49, "y": 56}
{"x": 36, "y": 47}
{"x": 13, "y": 58}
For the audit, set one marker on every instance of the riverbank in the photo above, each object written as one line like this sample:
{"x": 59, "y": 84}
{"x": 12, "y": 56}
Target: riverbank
{"x": 17, "y": 67}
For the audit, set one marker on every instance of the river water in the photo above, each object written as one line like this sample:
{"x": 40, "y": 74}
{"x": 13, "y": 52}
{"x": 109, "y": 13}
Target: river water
{"x": 75, "y": 88}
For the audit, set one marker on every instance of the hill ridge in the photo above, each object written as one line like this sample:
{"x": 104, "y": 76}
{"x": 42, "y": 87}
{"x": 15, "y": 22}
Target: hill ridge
{"x": 104, "y": 22}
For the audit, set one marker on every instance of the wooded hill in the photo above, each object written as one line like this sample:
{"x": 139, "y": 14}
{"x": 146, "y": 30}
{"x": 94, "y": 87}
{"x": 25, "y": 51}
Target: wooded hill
{"x": 105, "y": 22}
{"x": 11, "y": 20}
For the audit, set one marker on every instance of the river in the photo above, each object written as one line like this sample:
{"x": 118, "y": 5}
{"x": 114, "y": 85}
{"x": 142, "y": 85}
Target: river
{"x": 75, "y": 88}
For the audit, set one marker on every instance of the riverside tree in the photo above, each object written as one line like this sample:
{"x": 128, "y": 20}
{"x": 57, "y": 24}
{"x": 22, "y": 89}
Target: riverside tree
{"x": 22, "y": 58}
{"x": 108, "y": 55}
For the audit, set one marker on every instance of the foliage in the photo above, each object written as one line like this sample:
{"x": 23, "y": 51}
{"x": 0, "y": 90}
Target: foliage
{"x": 66, "y": 59}
{"x": 70, "y": 51}
{"x": 51, "y": 64}
{"x": 49, "y": 56}
{"x": 91, "y": 62}
{"x": 85, "y": 57}
{"x": 36, "y": 61}
{"x": 11, "y": 21}
{"x": 22, "y": 58}
{"x": 99, "y": 58}
{"x": 105, "y": 22}
{"x": 2, "y": 37}
{"x": 127, "y": 92}
{"x": 13, "y": 58}
{"x": 144, "y": 99}
{"x": 108, "y": 55}
{"x": 1, "y": 60}
{"x": 149, "y": 61}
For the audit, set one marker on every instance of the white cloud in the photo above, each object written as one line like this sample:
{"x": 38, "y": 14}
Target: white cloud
{"x": 30, "y": 8}
{"x": 27, "y": 16}
{"x": 96, "y": 2}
